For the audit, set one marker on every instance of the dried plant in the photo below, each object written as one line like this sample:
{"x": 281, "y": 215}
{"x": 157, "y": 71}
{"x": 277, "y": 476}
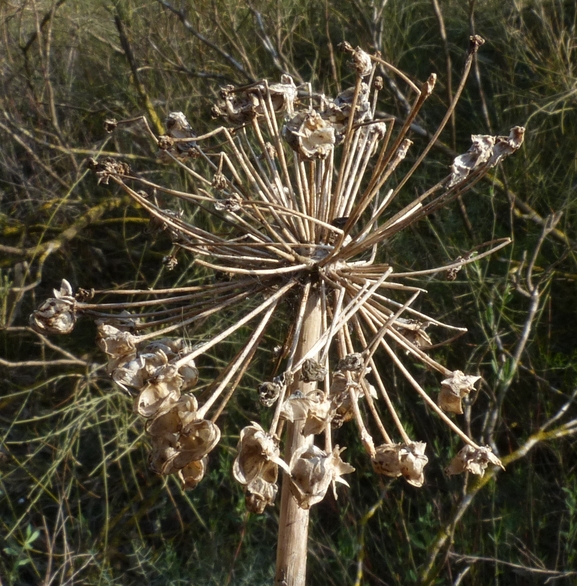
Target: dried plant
{"x": 302, "y": 185}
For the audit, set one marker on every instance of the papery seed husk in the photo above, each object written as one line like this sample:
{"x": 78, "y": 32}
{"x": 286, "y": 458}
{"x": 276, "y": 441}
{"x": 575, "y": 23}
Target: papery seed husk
{"x": 192, "y": 474}
{"x": 474, "y": 460}
{"x": 259, "y": 494}
{"x": 155, "y": 396}
{"x": 196, "y": 440}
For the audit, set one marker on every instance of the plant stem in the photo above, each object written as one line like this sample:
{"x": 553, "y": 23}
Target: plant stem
{"x": 294, "y": 522}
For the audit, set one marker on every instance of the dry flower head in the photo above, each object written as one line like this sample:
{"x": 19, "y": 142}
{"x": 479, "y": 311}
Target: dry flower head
{"x": 306, "y": 185}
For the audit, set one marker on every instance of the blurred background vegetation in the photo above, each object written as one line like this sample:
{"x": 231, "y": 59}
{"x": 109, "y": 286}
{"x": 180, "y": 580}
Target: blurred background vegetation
{"x": 78, "y": 504}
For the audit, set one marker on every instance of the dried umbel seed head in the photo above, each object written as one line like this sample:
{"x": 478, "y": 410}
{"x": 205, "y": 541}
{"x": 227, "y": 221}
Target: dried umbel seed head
{"x": 474, "y": 460}
{"x": 407, "y": 460}
{"x": 313, "y": 470}
{"x": 56, "y": 315}
{"x": 309, "y": 135}
{"x": 453, "y": 389}
{"x": 313, "y": 371}
{"x": 268, "y": 393}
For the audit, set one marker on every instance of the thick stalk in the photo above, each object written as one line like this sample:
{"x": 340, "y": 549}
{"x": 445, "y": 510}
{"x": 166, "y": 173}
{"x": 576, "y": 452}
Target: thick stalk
{"x": 291, "y": 558}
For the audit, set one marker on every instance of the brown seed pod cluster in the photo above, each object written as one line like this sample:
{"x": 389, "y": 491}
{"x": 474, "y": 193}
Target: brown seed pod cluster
{"x": 305, "y": 187}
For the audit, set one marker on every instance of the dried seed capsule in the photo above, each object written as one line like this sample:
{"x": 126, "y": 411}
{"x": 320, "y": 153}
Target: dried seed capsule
{"x": 406, "y": 460}
{"x": 312, "y": 471}
{"x": 56, "y": 315}
{"x": 353, "y": 361}
{"x": 453, "y": 389}
{"x": 268, "y": 393}
{"x": 313, "y": 371}
{"x": 474, "y": 460}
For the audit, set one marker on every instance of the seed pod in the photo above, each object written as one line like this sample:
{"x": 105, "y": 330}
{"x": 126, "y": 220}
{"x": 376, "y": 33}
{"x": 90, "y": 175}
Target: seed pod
{"x": 196, "y": 440}
{"x": 313, "y": 371}
{"x": 56, "y": 315}
{"x": 408, "y": 460}
{"x": 453, "y": 389}
{"x": 351, "y": 362}
{"x": 474, "y": 460}
{"x": 309, "y": 135}
{"x": 268, "y": 393}
{"x": 192, "y": 473}
{"x": 312, "y": 471}
{"x": 256, "y": 466}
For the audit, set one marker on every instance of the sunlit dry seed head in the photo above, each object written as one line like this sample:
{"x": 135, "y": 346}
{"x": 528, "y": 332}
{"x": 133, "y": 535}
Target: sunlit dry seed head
{"x": 474, "y": 460}
{"x": 362, "y": 62}
{"x": 155, "y": 396}
{"x": 195, "y": 441}
{"x": 313, "y": 471}
{"x": 304, "y": 222}
{"x": 113, "y": 341}
{"x": 174, "y": 417}
{"x": 192, "y": 474}
{"x": 309, "y": 135}
{"x": 56, "y": 315}
{"x": 407, "y": 460}
{"x": 453, "y": 389}
{"x": 485, "y": 152}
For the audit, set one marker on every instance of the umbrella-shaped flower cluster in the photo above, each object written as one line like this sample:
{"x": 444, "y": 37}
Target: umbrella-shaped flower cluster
{"x": 300, "y": 188}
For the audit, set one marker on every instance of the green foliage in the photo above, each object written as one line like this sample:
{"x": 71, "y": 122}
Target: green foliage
{"x": 78, "y": 504}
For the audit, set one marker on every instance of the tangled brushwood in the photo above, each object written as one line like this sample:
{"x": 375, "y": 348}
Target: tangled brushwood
{"x": 299, "y": 185}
